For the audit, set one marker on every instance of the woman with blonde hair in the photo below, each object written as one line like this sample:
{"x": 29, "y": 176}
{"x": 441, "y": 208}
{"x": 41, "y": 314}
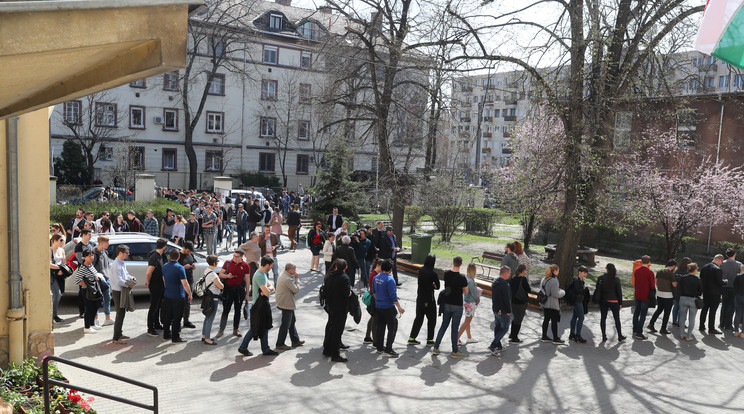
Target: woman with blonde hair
{"x": 470, "y": 304}
{"x": 551, "y": 307}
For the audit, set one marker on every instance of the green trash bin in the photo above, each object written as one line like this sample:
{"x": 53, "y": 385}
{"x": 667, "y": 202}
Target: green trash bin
{"x": 352, "y": 227}
{"x": 420, "y": 247}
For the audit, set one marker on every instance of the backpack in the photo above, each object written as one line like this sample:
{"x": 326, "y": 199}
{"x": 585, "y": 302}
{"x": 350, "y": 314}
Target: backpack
{"x": 265, "y": 217}
{"x": 571, "y": 293}
{"x": 542, "y": 296}
{"x": 200, "y": 288}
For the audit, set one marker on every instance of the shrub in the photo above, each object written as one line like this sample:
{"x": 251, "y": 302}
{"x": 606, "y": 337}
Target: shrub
{"x": 722, "y": 246}
{"x": 64, "y": 213}
{"x": 257, "y": 179}
{"x": 412, "y": 216}
{"x": 447, "y": 219}
{"x": 480, "y": 220}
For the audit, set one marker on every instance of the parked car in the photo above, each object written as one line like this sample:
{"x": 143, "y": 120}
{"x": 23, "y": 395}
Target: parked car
{"x": 122, "y": 194}
{"x": 248, "y": 193}
{"x": 140, "y": 247}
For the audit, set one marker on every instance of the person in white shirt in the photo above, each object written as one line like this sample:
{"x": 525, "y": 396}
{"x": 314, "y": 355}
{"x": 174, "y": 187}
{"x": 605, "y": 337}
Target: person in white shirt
{"x": 329, "y": 247}
{"x": 56, "y": 280}
{"x": 214, "y": 284}
{"x": 179, "y": 230}
{"x": 120, "y": 280}
{"x": 343, "y": 229}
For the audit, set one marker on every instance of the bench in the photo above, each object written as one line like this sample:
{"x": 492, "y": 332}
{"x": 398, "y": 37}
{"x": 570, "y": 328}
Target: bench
{"x": 584, "y": 254}
{"x": 479, "y": 261}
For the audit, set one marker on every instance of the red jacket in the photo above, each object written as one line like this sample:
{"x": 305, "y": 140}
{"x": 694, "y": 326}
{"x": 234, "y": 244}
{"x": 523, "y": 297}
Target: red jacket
{"x": 644, "y": 282}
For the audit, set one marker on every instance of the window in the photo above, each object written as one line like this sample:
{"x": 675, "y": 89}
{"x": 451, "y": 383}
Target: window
{"x": 309, "y": 30}
{"x": 268, "y": 127}
{"x": 687, "y": 120}
{"x": 138, "y": 84}
{"x": 623, "y": 123}
{"x": 303, "y": 164}
{"x": 105, "y": 153}
{"x": 72, "y": 112}
{"x": 698, "y": 61}
{"x": 709, "y": 82}
{"x": 305, "y": 93}
{"x": 711, "y": 60}
{"x": 270, "y": 55}
{"x": 136, "y": 117}
{"x": 496, "y": 113}
{"x": 137, "y": 158}
{"x": 170, "y": 81}
{"x": 214, "y": 161}
{"x": 303, "y": 130}
{"x": 268, "y": 89}
{"x": 306, "y": 60}
{"x": 170, "y": 119}
{"x": 694, "y": 85}
{"x": 217, "y": 85}
{"x": 266, "y": 162}
{"x": 216, "y": 46}
{"x": 169, "y": 159}
{"x": 275, "y": 22}
{"x": 215, "y": 122}
{"x": 105, "y": 114}
{"x": 723, "y": 81}
{"x": 738, "y": 81}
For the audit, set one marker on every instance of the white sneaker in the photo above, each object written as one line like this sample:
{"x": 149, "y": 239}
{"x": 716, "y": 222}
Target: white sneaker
{"x": 96, "y": 327}
{"x": 97, "y": 323}
{"x": 108, "y": 322}
{"x": 472, "y": 341}
{"x": 460, "y": 342}
{"x": 89, "y": 331}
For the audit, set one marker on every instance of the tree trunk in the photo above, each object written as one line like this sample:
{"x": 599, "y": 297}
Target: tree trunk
{"x": 528, "y": 231}
{"x": 399, "y": 208}
{"x": 191, "y": 155}
{"x": 565, "y": 256}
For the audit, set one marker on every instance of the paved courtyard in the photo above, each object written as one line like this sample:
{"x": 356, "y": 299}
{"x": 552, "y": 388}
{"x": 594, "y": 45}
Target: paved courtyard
{"x": 660, "y": 375}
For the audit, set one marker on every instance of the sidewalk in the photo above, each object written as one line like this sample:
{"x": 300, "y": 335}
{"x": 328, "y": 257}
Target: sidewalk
{"x": 659, "y": 375}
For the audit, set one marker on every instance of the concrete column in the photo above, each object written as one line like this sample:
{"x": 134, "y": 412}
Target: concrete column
{"x": 144, "y": 188}
{"x": 52, "y": 190}
{"x": 223, "y": 187}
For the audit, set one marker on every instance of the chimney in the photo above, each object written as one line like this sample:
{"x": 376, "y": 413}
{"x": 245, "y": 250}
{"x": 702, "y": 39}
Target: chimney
{"x": 324, "y": 9}
{"x": 284, "y": 2}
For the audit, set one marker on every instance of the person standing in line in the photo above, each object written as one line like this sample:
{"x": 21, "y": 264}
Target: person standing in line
{"x": 455, "y": 286}
{"x": 315, "y": 242}
{"x": 520, "y": 290}
{"x": 337, "y": 292}
{"x": 389, "y": 249}
{"x": 329, "y": 249}
{"x": 471, "y": 301}
{"x": 209, "y": 223}
{"x": 192, "y": 228}
{"x": 151, "y": 224}
{"x": 85, "y": 244}
{"x": 690, "y": 288}
{"x": 361, "y": 245}
{"x": 575, "y": 296}
{"x": 510, "y": 258}
{"x": 102, "y": 263}
{"x": 135, "y": 225}
{"x": 179, "y": 230}
{"x": 426, "y": 305}
{"x": 120, "y": 282}
{"x": 87, "y": 278}
{"x": 254, "y": 215}
{"x": 56, "y": 278}
{"x": 176, "y": 293}
{"x": 712, "y": 279}
{"x": 241, "y": 223}
{"x": 346, "y": 252}
{"x": 237, "y": 276}
{"x": 154, "y": 283}
{"x": 121, "y": 226}
{"x": 729, "y": 269}
{"x": 681, "y": 271}
{"x": 739, "y": 302}
{"x": 666, "y": 284}
{"x": 644, "y": 282}
{"x": 610, "y": 297}
{"x": 501, "y": 306}
{"x": 287, "y": 287}
{"x": 166, "y": 227}
{"x": 262, "y": 288}
{"x": 386, "y": 296}
{"x": 212, "y": 282}
{"x": 551, "y": 307}
{"x": 188, "y": 261}
{"x": 522, "y": 258}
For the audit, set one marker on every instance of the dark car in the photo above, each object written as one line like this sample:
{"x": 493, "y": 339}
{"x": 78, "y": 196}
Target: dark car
{"x": 93, "y": 194}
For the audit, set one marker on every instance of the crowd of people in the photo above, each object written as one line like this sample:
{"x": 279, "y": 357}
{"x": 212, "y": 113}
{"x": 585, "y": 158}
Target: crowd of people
{"x": 244, "y": 285}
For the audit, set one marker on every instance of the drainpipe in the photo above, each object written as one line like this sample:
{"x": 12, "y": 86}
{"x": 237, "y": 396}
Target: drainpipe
{"x": 718, "y": 154}
{"x": 16, "y": 312}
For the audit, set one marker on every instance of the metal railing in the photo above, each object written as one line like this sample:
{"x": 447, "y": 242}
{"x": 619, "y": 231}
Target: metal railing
{"x": 48, "y": 381}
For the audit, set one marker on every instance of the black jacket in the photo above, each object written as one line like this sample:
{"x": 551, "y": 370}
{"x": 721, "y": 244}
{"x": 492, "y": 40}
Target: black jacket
{"x": 337, "y": 291}
{"x": 376, "y": 236}
{"x": 609, "y": 291}
{"x": 254, "y": 213}
{"x": 260, "y": 317}
{"x": 711, "y": 277}
{"x": 337, "y": 224}
{"x": 519, "y": 282}
{"x": 501, "y": 296}
{"x": 575, "y": 291}
{"x": 293, "y": 218}
{"x": 690, "y": 285}
{"x": 428, "y": 282}
{"x": 386, "y": 246}
{"x": 347, "y": 253}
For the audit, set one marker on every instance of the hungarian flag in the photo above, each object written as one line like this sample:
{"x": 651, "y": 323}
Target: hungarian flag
{"x": 721, "y": 33}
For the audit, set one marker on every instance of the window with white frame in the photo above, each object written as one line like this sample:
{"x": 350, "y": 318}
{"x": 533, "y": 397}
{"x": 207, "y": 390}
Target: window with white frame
{"x": 268, "y": 127}
{"x": 170, "y": 119}
{"x": 169, "y": 159}
{"x": 137, "y": 158}
{"x": 303, "y": 164}
{"x": 270, "y": 55}
{"x": 305, "y": 93}
{"x": 306, "y": 60}
{"x": 140, "y": 83}
{"x": 687, "y": 120}
{"x": 72, "y": 112}
{"x": 105, "y": 114}
{"x": 303, "y": 130}
{"x": 275, "y": 21}
{"x": 723, "y": 81}
{"x": 105, "y": 153}
{"x": 309, "y": 30}
{"x": 215, "y": 122}
{"x": 266, "y": 162}
{"x": 623, "y": 124}
{"x": 217, "y": 85}
{"x": 268, "y": 89}
{"x": 170, "y": 81}
{"x": 213, "y": 160}
{"x": 136, "y": 117}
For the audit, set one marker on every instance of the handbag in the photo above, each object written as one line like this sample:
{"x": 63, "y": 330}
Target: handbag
{"x": 597, "y": 295}
{"x": 66, "y": 270}
{"x": 367, "y": 298}
{"x": 699, "y": 303}
{"x": 207, "y": 305}
{"x": 521, "y": 294}
{"x": 652, "y": 298}
{"x": 92, "y": 292}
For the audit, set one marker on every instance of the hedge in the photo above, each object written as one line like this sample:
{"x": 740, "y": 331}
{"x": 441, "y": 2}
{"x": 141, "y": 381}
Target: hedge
{"x": 64, "y": 213}
{"x": 480, "y": 220}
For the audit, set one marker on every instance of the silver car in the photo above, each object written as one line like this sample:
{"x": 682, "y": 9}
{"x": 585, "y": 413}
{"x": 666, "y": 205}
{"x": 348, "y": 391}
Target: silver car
{"x": 140, "y": 247}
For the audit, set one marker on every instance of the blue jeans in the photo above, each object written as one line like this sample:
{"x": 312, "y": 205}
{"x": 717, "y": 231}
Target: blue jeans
{"x": 288, "y": 324}
{"x": 675, "y": 311}
{"x": 728, "y": 305}
{"x": 56, "y": 295}
{"x": 452, "y": 315}
{"x": 739, "y": 318}
{"x": 687, "y": 307}
{"x": 207, "y": 327}
{"x": 364, "y": 270}
{"x": 639, "y": 316}
{"x": 275, "y": 270}
{"x": 500, "y": 328}
{"x": 264, "y": 341}
{"x": 577, "y": 320}
{"x": 106, "y": 291}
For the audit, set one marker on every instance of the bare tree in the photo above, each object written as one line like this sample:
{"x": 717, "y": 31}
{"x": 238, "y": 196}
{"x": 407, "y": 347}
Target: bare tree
{"x": 125, "y": 157}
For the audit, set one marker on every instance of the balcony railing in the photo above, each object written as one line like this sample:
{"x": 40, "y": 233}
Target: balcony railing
{"x": 511, "y": 102}
{"x": 507, "y": 134}
{"x": 464, "y": 119}
{"x": 506, "y": 150}
{"x": 487, "y": 119}
{"x": 510, "y": 118}
{"x": 487, "y": 135}
{"x": 713, "y": 67}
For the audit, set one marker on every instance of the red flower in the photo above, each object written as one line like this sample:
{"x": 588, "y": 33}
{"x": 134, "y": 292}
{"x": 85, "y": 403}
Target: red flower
{"x": 74, "y": 398}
